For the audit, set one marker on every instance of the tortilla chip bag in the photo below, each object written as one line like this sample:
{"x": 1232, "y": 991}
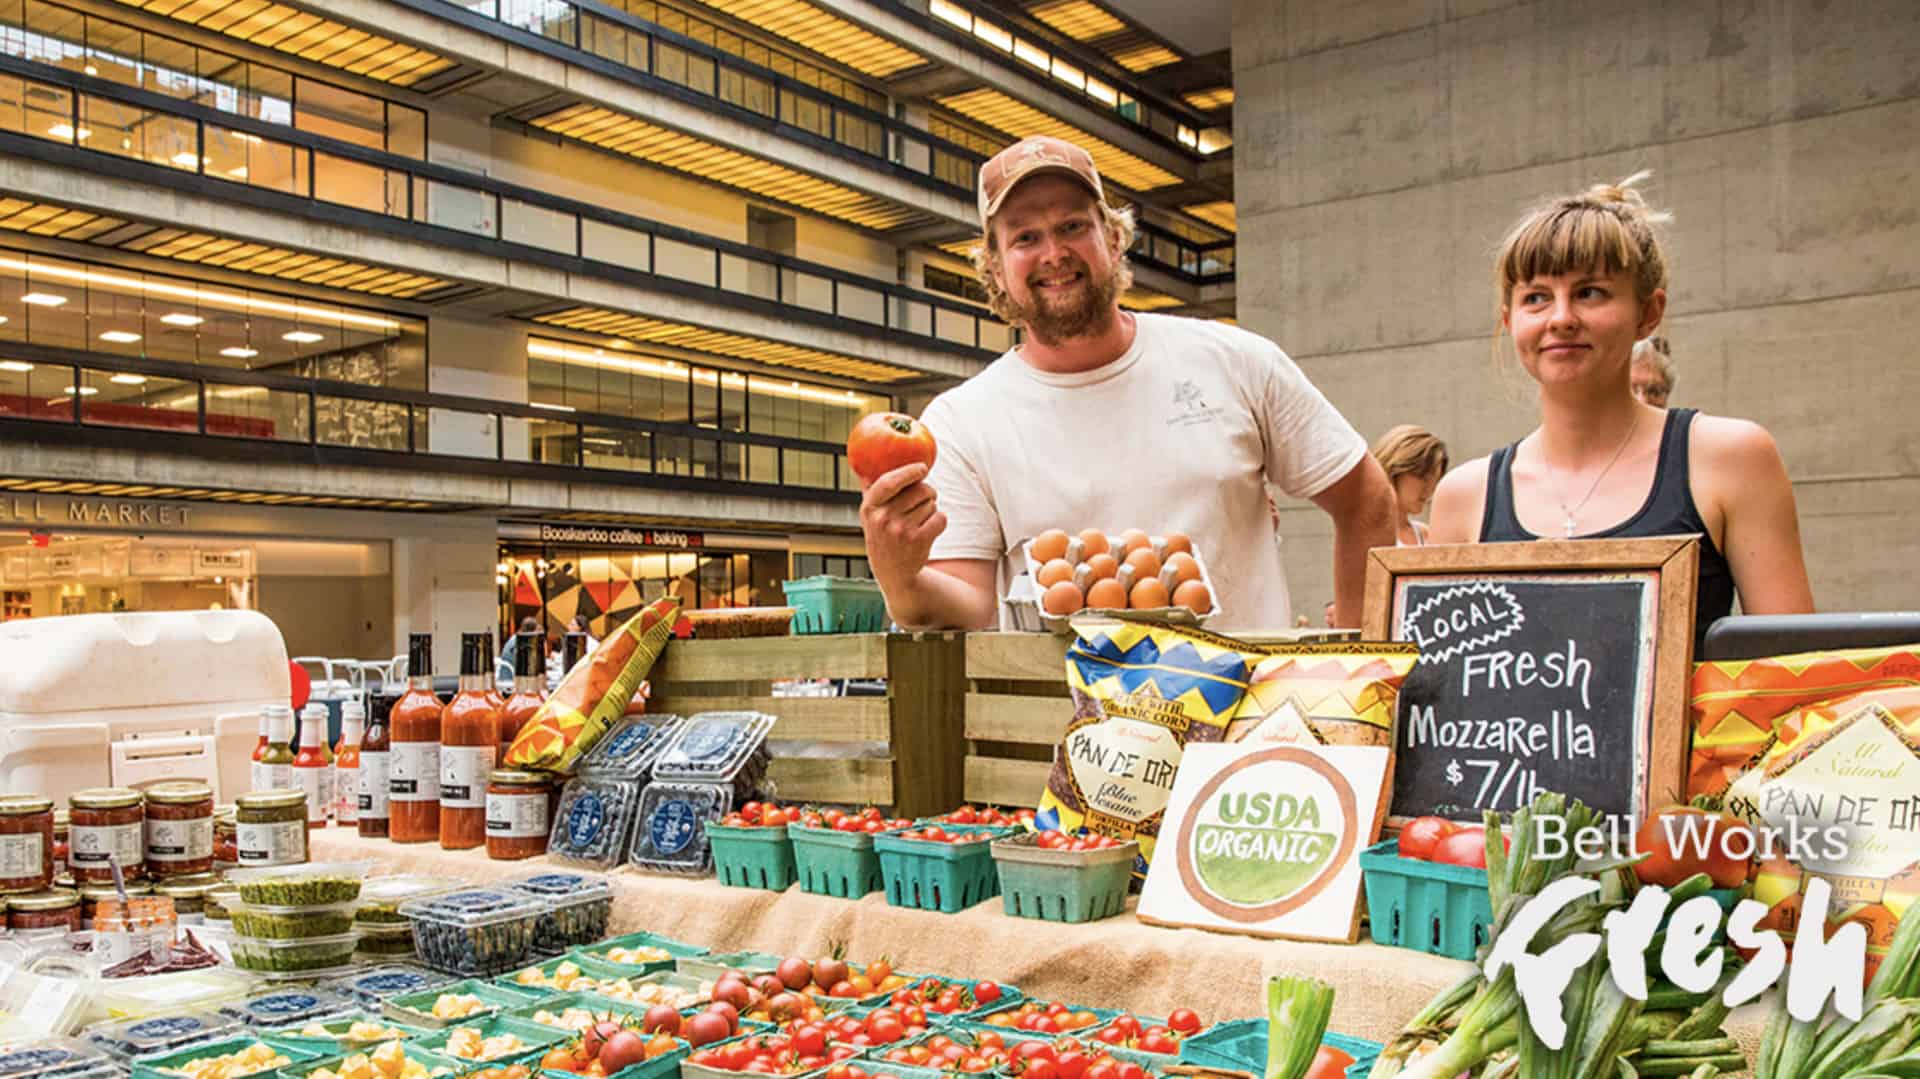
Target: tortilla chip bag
{"x": 1140, "y": 694}
{"x": 1341, "y": 693}
{"x": 594, "y": 695}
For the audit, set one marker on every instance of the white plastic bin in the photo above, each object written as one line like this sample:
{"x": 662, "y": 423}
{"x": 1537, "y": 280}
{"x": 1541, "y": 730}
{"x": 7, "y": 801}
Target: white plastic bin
{"x": 130, "y": 699}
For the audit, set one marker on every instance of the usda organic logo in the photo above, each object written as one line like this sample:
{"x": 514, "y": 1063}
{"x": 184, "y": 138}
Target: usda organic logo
{"x": 1267, "y": 834}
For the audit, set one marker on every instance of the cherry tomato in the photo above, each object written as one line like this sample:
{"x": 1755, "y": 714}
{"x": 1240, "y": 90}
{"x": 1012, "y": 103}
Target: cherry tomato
{"x": 1467, "y": 847}
{"x": 1329, "y": 1063}
{"x": 1184, "y": 1021}
{"x": 884, "y": 441}
{"x": 1422, "y": 834}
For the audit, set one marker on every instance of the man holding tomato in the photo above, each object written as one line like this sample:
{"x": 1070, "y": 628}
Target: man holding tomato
{"x": 1109, "y": 419}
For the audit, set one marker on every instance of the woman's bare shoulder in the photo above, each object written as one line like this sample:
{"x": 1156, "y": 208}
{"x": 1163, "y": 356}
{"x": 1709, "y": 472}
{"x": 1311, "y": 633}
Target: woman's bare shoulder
{"x": 1458, "y": 503}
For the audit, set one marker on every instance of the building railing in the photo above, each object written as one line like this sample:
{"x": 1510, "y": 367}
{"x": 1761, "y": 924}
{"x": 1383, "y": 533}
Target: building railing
{"x": 41, "y": 385}
{"x": 631, "y": 48}
{"x": 1198, "y": 263}
{"x": 177, "y": 138}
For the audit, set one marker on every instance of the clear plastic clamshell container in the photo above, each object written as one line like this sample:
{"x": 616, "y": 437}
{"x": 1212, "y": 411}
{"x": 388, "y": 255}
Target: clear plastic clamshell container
{"x": 477, "y": 932}
{"x": 301, "y": 885}
{"x": 372, "y": 985}
{"x": 129, "y": 1038}
{"x": 281, "y": 1007}
{"x": 712, "y": 747}
{"x": 671, "y": 836}
{"x": 579, "y": 906}
{"x": 593, "y": 821}
{"x": 629, "y": 750}
{"x": 380, "y": 897}
{"x": 305, "y": 956}
{"x": 265, "y": 922}
{"x": 39, "y": 1057}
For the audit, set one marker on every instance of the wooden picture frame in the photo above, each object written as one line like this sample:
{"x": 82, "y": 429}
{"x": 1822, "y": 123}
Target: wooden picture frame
{"x": 1674, "y": 560}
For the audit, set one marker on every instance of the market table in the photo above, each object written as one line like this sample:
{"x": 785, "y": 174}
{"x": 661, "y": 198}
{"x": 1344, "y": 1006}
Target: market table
{"x": 1116, "y": 962}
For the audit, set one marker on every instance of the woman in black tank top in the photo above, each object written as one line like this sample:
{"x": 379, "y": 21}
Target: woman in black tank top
{"x": 1580, "y": 281}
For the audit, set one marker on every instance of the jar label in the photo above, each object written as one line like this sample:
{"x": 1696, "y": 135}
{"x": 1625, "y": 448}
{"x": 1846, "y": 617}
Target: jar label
{"x": 277, "y": 843}
{"x": 376, "y": 771}
{"x": 23, "y": 856}
{"x": 517, "y": 816}
{"x": 272, "y": 777}
{"x": 416, "y": 772}
{"x": 346, "y": 799}
{"x": 179, "y": 840}
{"x": 113, "y": 946}
{"x": 463, "y": 776}
{"x": 90, "y": 845}
{"x": 318, "y": 785}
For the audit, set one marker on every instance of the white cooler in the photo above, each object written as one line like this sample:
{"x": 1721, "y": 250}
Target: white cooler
{"x": 129, "y": 700}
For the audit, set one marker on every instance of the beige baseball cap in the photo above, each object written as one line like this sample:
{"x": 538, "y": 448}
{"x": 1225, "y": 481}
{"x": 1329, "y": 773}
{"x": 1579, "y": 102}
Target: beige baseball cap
{"x": 1030, "y": 157}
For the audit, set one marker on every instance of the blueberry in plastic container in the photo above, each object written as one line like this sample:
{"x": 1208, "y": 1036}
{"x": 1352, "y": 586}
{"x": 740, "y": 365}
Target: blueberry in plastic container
{"x": 475, "y": 932}
{"x": 630, "y": 748}
{"x": 672, "y": 836}
{"x": 154, "y": 1034}
{"x": 375, "y": 984}
{"x": 286, "y": 1006}
{"x": 594, "y": 818}
{"x": 578, "y": 908}
{"x": 713, "y": 746}
{"x": 48, "y": 1057}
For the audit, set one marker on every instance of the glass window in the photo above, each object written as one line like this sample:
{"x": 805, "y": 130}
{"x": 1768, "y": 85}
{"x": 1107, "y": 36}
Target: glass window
{"x": 128, "y": 400}
{"x": 113, "y": 51}
{"x": 256, "y": 412}
{"x": 406, "y": 131}
{"x": 357, "y": 184}
{"x": 328, "y": 110}
{"x": 607, "y": 447}
{"x": 347, "y": 421}
{"x": 35, "y": 391}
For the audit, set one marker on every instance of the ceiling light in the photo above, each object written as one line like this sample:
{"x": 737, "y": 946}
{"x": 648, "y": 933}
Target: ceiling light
{"x": 15, "y": 366}
{"x": 129, "y": 380}
{"x": 304, "y": 337}
{"x": 238, "y": 172}
{"x": 44, "y": 299}
{"x": 240, "y": 353}
{"x": 120, "y": 337}
{"x": 177, "y": 319}
{"x": 552, "y": 408}
{"x": 91, "y": 70}
{"x": 84, "y": 391}
{"x": 296, "y": 311}
{"x": 186, "y": 160}
{"x": 65, "y": 131}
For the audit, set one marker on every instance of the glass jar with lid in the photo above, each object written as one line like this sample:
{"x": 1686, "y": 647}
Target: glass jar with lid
{"x": 271, "y": 828}
{"x": 93, "y": 895}
{"x": 55, "y": 909}
{"x": 189, "y": 895}
{"x": 517, "y": 819}
{"x": 179, "y": 828}
{"x": 26, "y": 843}
{"x": 108, "y": 828}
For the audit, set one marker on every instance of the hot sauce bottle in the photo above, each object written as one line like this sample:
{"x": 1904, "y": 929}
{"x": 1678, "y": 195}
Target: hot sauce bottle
{"x": 376, "y": 772}
{"x": 469, "y": 734}
{"x": 346, "y": 763}
{"x": 313, "y": 765}
{"x": 528, "y": 677}
{"x": 414, "y": 726}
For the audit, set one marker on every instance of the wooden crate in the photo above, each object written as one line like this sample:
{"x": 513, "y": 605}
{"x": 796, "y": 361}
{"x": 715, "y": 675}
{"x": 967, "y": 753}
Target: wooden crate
{"x": 919, "y": 719}
{"x": 1017, "y": 708}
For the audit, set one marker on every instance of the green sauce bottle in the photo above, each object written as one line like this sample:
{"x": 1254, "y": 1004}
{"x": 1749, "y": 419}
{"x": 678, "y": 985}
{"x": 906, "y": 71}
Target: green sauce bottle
{"x": 273, "y": 768}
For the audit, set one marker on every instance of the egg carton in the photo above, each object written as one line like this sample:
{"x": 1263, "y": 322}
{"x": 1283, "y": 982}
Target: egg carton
{"x": 1024, "y": 613}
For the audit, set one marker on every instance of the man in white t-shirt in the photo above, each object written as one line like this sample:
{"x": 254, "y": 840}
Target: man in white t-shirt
{"x": 1103, "y": 418}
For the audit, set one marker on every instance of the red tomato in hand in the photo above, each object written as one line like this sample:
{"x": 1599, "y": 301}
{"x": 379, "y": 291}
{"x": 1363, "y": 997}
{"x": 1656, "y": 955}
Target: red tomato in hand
{"x": 884, "y": 441}
{"x": 1467, "y": 847}
{"x": 1681, "y": 841}
{"x": 1329, "y": 1063}
{"x": 1422, "y": 834}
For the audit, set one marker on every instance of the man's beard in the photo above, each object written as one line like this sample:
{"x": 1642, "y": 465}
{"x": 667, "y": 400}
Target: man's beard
{"x": 1088, "y": 313}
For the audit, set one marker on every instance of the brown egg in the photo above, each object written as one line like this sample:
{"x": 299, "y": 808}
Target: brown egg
{"x": 1093, "y": 542}
{"x": 1048, "y": 546}
{"x": 1108, "y": 594}
{"x": 1053, "y": 573}
{"x": 1103, "y": 566}
{"x": 1144, "y": 562}
{"x": 1183, "y": 567}
{"x": 1063, "y": 598}
{"x": 1149, "y": 592}
{"x": 1132, "y": 540}
{"x": 1178, "y": 541}
{"x": 1194, "y": 596}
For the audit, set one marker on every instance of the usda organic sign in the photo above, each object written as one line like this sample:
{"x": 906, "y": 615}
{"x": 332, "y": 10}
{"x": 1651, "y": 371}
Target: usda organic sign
{"x": 1264, "y": 839}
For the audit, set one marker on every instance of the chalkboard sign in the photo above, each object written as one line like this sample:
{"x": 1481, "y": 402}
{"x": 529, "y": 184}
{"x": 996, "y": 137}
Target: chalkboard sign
{"x": 1554, "y": 666}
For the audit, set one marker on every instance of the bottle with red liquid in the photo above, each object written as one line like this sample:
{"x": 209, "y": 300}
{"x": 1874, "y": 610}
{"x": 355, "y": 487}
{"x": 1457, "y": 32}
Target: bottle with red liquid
{"x": 346, "y": 763}
{"x": 313, "y": 765}
{"x": 414, "y": 730}
{"x": 529, "y": 676}
{"x": 376, "y": 773}
{"x": 469, "y": 736}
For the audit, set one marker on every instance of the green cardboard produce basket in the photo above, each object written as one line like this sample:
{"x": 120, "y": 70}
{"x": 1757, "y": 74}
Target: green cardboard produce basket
{"x": 945, "y": 877}
{"x": 429, "y": 1061}
{"x": 840, "y": 864}
{"x": 752, "y": 857}
{"x": 676, "y": 950}
{"x": 1062, "y": 886}
{"x": 827, "y": 604}
{"x": 1426, "y": 906}
{"x": 158, "y": 1065}
{"x": 337, "y": 1025}
{"x": 536, "y": 1038}
{"x": 417, "y": 1008}
{"x": 1241, "y": 1045}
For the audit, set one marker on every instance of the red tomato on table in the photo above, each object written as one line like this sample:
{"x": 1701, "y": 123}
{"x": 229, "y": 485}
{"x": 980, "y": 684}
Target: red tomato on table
{"x": 1680, "y": 841}
{"x": 1467, "y": 847}
{"x": 1329, "y": 1063}
{"x": 884, "y": 441}
{"x": 1422, "y": 834}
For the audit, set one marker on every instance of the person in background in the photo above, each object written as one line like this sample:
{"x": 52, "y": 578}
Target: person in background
{"x": 1579, "y": 281}
{"x": 529, "y": 624}
{"x": 1652, "y": 371}
{"x": 1414, "y": 461}
{"x": 579, "y": 624}
{"x": 1110, "y": 419}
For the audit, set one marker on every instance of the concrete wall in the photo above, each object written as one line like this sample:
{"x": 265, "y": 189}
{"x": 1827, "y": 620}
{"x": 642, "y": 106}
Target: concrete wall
{"x": 1381, "y": 149}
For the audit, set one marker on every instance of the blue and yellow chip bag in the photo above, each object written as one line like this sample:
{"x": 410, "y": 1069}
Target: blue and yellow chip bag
{"x": 1140, "y": 693}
